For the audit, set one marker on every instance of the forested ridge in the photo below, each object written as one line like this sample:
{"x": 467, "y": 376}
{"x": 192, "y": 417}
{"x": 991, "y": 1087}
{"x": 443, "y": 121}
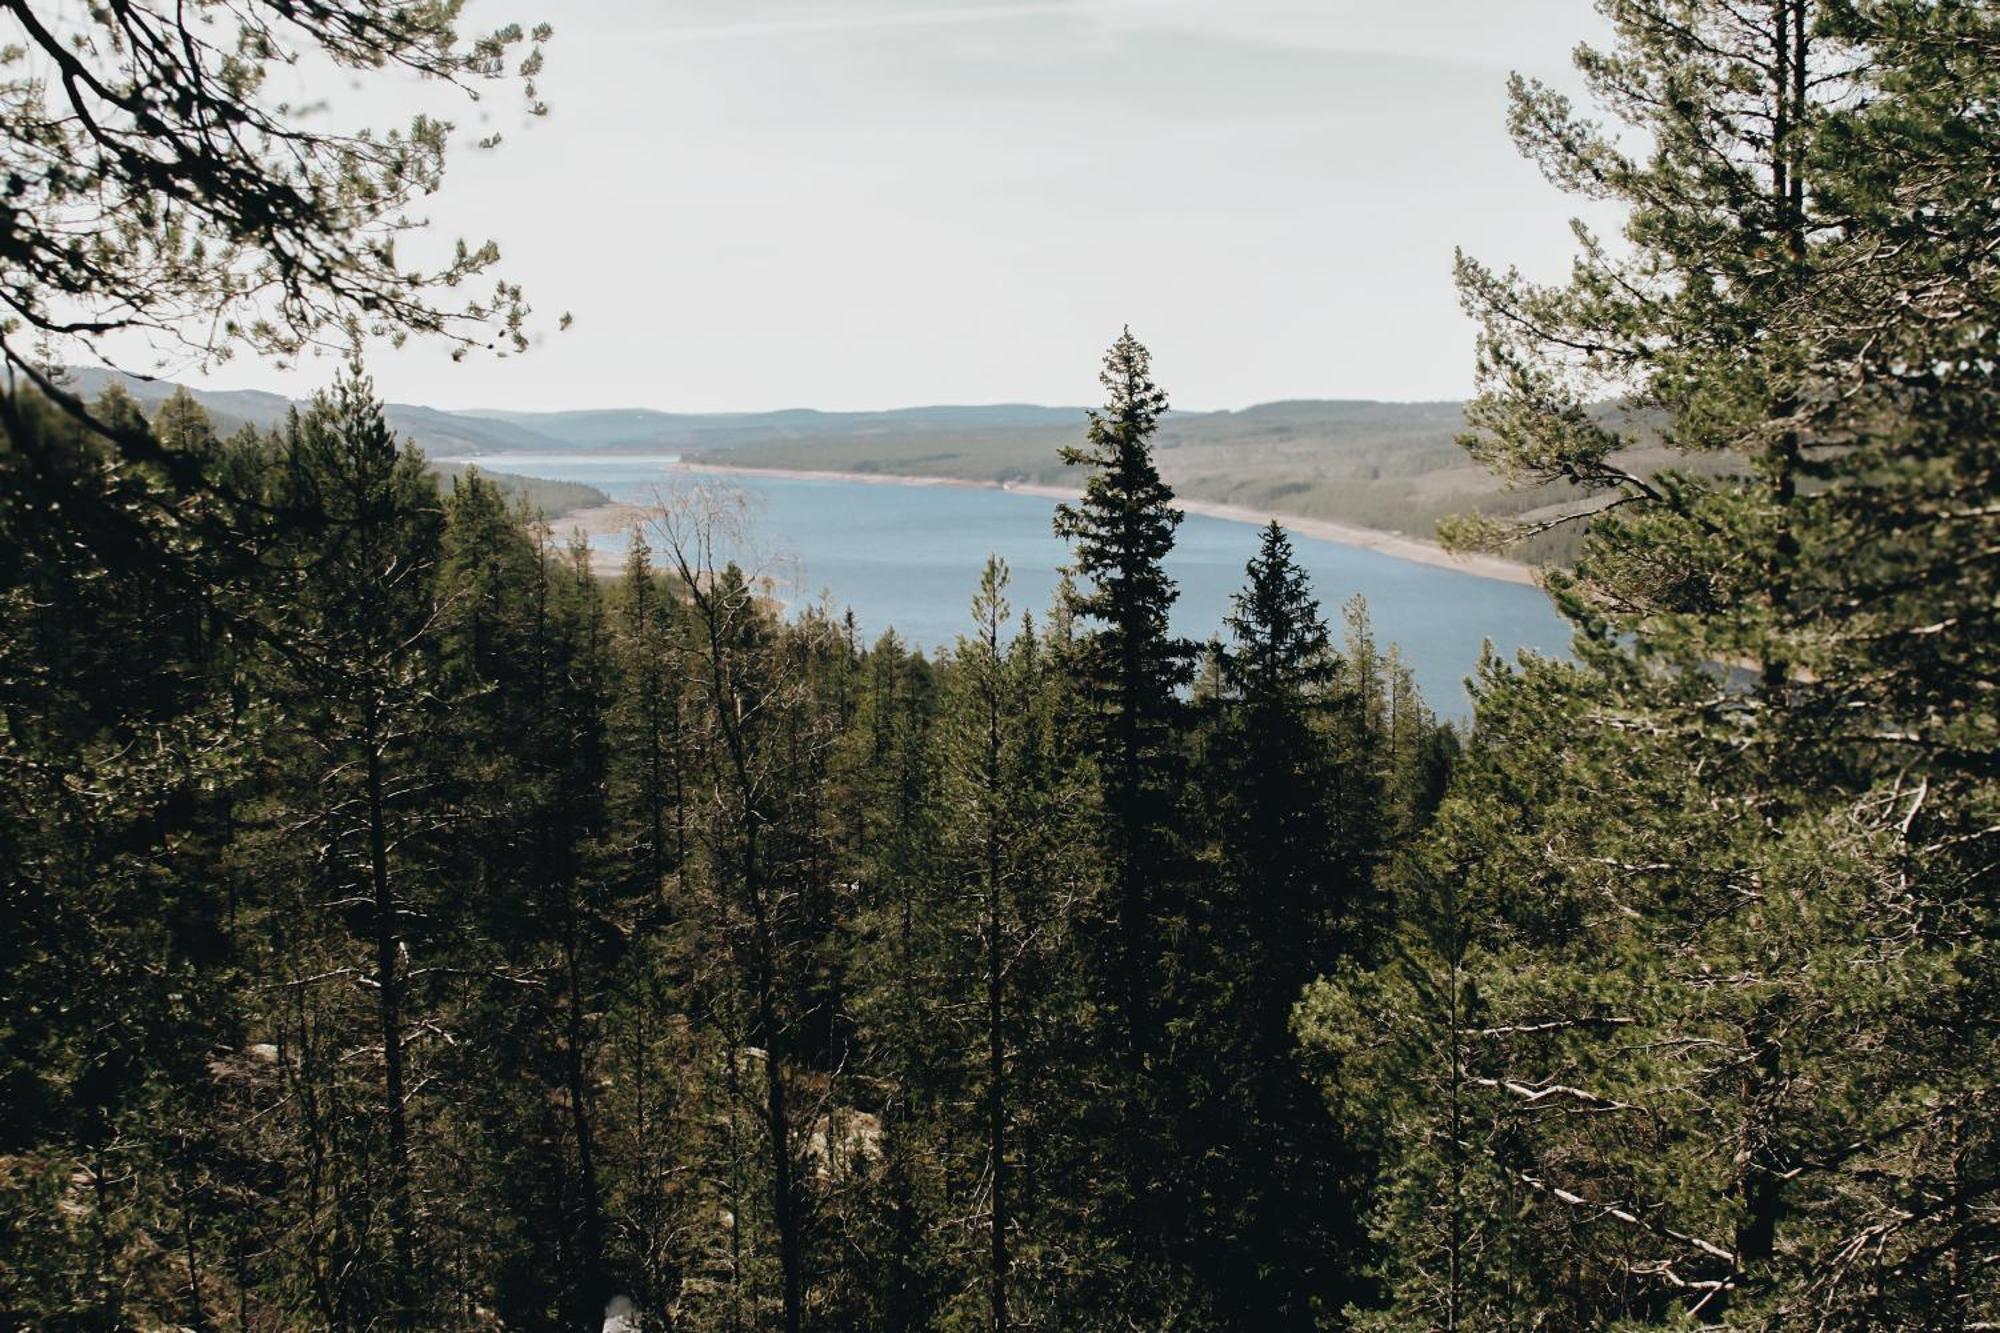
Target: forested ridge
{"x": 408, "y": 929}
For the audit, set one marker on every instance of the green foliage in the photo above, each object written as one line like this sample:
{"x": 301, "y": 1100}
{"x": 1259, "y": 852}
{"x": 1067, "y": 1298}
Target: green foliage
{"x": 553, "y": 499}
{"x": 1686, "y": 1023}
{"x": 122, "y": 953}
{"x": 410, "y": 929}
{"x": 155, "y": 184}
{"x": 465, "y": 939}
{"x": 1129, "y": 669}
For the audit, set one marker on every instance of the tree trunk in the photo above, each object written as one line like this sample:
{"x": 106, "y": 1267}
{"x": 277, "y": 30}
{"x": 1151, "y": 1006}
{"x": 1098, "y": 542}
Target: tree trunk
{"x": 575, "y": 1075}
{"x": 777, "y": 1106}
{"x": 389, "y": 1002}
{"x": 996, "y": 1051}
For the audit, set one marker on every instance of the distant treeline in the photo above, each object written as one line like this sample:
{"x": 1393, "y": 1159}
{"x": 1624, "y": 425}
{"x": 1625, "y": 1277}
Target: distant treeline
{"x": 1391, "y": 466}
{"x": 433, "y": 431}
{"x": 553, "y": 499}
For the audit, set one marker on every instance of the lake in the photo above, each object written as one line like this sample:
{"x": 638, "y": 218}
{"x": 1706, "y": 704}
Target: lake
{"x": 910, "y": 557}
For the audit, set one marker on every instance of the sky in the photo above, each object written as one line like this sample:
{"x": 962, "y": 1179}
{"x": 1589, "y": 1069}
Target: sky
{"x": 850, "y": 204}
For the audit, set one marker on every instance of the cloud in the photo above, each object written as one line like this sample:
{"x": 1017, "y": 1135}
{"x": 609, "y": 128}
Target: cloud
{"x": 790, "y": 24}
{"x": 1451, "y": 32}
{"x": 1448, "y": 32}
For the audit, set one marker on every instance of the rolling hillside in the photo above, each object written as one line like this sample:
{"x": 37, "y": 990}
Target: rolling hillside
{"x": 438, "y": 434}
{"x": 435, "y": 432}
{"x": 1392, "y": 466}
{"x": 643, "y": 428}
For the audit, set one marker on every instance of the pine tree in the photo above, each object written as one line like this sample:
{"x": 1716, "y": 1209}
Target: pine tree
{"x": 1720, "y": 900}
{"x": 573, "y": 895}
{"x": 992, "y": 829}
{"x": 359, "y": 672}
{"x": 649, "y": 718}
{"x": 1294, "y": 779}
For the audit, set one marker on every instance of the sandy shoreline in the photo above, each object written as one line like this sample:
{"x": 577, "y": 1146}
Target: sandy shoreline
{"x": 620, "y": 516}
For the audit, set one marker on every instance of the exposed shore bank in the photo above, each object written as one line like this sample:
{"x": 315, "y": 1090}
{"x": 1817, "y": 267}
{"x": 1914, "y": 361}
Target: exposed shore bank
{"x": 620, "y": 516}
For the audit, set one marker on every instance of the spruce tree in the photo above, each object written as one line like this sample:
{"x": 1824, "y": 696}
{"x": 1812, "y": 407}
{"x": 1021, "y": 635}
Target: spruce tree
{"x": 1130, "y": 672}
{"x": 992, "y": 830}
{"x": 648, "y": 751}
{"x": 1294, "y": 793}
{"x": 1129, "y": 668}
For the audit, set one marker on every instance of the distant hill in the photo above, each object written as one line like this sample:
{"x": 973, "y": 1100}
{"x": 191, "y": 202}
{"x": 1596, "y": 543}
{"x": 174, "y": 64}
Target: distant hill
{"x": 553, "y": 498}
{"x": 438, "y": 434}
{"x": 643, "y": 428}
{"x": 479, "y": 431}
{"x": 435, "y": 432}
{"x": 1392, "y": 466}
{"x": 1396, "y": 467}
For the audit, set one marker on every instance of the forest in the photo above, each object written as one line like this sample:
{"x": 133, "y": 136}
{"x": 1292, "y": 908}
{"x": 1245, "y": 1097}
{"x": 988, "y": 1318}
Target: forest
{"x": 408, "y": 929}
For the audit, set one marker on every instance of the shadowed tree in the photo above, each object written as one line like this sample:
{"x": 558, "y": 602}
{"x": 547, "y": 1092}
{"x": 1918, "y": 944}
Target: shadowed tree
{"x": 1290, "y": 773}
{"x": 1130, "y": 671}
{"x": 360, "y": 677}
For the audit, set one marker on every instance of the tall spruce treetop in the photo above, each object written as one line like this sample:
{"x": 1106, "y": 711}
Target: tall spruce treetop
{"x": 1281, "y": 673}
{"x": 1127, "y": 661}
{"x": 1292, "y": 790}
{"x": 1121, "y": 531}
{"x": 1130, "y": 670}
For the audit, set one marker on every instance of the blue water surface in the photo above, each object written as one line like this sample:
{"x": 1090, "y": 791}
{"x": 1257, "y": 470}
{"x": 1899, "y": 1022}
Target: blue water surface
{"x": 909, "y": 557}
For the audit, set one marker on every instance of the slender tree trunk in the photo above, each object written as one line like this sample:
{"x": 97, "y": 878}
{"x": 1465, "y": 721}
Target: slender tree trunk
{"x": 734, "y": 1065}
{"x": 656, "y": 793}
{"x": 1788, "y": 97}
{"x": 100, "y": 1221}
{"x": 996, "y": 1072}
{"x": 576, "y": 1076}
{"x": 1133, "y": 869}
{"x": 389, "y": 1009}
{"x": 676, "y": 770}
{"x": 777, "y": 1115}
{"x": 777, "y": 1107}
{"x": 1453, "y": 1309}
{"x": 996, "y": 1048}
{"x": 197, "y": 1315}
{"x": 311, "y": 1122}
{"x": 1758, "y": 1171}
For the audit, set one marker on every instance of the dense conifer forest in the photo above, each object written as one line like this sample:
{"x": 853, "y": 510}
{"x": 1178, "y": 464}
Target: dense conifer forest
{"x": 406, "y": 928}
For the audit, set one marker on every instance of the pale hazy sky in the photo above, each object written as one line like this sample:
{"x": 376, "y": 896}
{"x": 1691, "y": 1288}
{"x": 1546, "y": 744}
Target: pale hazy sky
{"x": 866, "y": 203}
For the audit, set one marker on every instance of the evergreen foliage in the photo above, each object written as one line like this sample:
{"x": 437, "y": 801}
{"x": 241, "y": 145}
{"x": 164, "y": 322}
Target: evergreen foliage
{"x": 1688, "y": 1022}
{"x": 409, "y": 928}
{"x": 471, "y": 939}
